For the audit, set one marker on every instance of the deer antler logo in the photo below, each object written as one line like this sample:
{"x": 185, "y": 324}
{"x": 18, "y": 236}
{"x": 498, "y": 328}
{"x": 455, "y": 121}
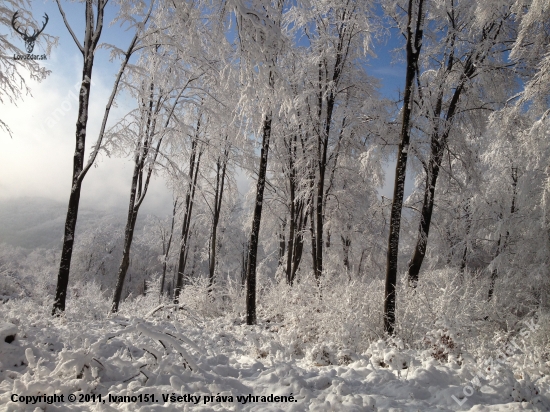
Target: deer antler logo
{"x": 29, "y": 40}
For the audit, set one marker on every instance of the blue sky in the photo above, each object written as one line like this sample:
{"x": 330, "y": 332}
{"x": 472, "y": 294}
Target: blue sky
{"x": 37, "y": 161}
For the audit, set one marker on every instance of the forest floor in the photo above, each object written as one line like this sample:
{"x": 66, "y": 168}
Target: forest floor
{"x": 174, "y": 361}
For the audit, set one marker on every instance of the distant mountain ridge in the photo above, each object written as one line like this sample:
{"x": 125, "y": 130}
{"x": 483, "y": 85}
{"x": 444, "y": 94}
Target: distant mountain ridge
{"x": 34, "y": 222}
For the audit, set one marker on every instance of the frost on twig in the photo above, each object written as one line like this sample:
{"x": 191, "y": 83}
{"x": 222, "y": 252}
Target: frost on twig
{"x": 172, "y": 306}
{"x": 172, "y": 341}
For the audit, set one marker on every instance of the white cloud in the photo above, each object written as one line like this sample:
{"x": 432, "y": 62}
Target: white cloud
{"x": 37, "y": 161}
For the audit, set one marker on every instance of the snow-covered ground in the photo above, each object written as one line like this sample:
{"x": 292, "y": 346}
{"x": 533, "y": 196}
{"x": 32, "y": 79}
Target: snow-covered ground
{"x": 185, "y": 363}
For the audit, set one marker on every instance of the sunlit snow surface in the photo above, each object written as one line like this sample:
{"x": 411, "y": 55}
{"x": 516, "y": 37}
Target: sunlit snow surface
{"x": 124, "y": 356}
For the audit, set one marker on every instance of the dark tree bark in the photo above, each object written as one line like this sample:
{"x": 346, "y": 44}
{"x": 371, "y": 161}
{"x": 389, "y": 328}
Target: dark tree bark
{"x": 311, "y": 213}
{"x": 194, "y": 265}
{"x": 360, "y": 263}
{"x": 494, "y": 273}
{"x": 437, "y": 147}
{"x": 166, "y": 250}
{"x": 128, "y": 237}
{"x": 173, "y": 283}
{"x": 439, "y": 139}
{"x": 322, "y": 149}
{"x": 255, "y": 232}
{"x": 292, "y": 210}
{"x": 414, "y": 43}
{"x": 91, "y": 39}
{"x": 346, "y": 243}
{"x": 468, "y": 228}
{"x": 298, "y": 243}
{"x": 326, "y": 101}
{"x": 244, "y": 263}
{"x": 140, "y": 185}
{"x": 282, "y": 243}
{"x": 322, "y": 146}
{"x": 194, "y": 165}
{"x": 137, "y": 193}
{"x": 298, "y": 214}
{"x": 220, "y": 181}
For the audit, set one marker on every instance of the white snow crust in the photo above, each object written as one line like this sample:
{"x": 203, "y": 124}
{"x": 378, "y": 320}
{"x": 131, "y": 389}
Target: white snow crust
{"x": 170, "y": 353}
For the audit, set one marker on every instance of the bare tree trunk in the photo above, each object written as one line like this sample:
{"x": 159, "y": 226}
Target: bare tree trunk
{"x": 426, "y": 214}
{"x": 468, "y": 228}
{"x": 194, "y": 265}
{"x": 346, "y": 243}
{"x": 292, "y": 206}
{"x": 167, "y": 250}
{"x": 142, "y": 151}
{"x": 439, "y": 141}
{"x": 545, "y": 287}
{"x": 255, "y": 232}
{"x": 282, "y": 243}
{"x": 292, "y": 229}
{"x": 360, "y": 263}
{"x": 220, "y": 180}
{"x": 189, "y": 199}
{"x": 173, "y": 283}
{"x": 128, "y": 237}
{"x": 313, "y": 240}
{"x": 327, "y": 94}
{"x": 91, "y": 39}
{"x": 322, "y": 149}
{"x": 296, "y": 223}
{"x": 300, "y": 210}
{"x": 298, "y": 243}
{"x": 311, "y": 212}
{"x": 414, "y": 43}
{"x": 437, "y": 147}
{"x": 140, "y": 185}
{"x": 244, "y": 263}
{"x": 494, "y": 273}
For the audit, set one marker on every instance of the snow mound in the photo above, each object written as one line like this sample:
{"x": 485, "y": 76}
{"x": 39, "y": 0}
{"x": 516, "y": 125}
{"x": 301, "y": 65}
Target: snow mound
{"x": 170, "y": 359}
